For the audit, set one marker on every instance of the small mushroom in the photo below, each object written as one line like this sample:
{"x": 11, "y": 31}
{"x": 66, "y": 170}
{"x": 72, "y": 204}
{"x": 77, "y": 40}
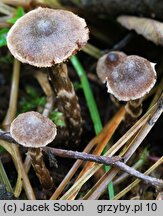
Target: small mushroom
{"x": 46, "y": 37}
{"x": 33, "y": 130}
{"x": 128, "y": 78}
{"x": 150, "y": 29}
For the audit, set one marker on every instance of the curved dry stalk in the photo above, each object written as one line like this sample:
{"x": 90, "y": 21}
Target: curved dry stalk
{"x": 11, "y": 112}
{"x": 104, "y": 135}
{"x": 100, "y": 186}
{"x": 42, "y": 78}
{"x": 23, "y": 3}
{"x": 20, "y": 169}
{"x": 6, "y": 9}
{"x": 133, "y": 184}
{"x": 110, "y": 152}
{"x": 116, "y": 120}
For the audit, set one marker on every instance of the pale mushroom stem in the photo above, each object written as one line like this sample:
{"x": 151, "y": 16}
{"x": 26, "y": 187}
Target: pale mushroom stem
{"x": 67, "y": 101}
{"x": 133, "y": 111}
{"x": 39, "y": 166}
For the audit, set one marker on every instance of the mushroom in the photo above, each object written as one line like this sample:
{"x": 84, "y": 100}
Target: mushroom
{"x": 150, "y": 29}
{"x": 128, "y": 78}
{"x": 46, "y": 37}
{"x": 33, "y": 130}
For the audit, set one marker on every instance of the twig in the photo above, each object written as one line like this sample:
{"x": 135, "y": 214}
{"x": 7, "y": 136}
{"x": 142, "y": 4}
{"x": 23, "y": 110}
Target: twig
{"x": 133, "y": 184}
{"x": 114, "y": 161}
{"x": 137, "y": 165}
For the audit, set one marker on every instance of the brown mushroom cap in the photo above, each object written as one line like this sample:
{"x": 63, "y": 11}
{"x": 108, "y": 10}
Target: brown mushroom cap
{"x": 31, "y": 129}
{"x": 150, "y": 29}
{"x": 131, "y": 79}
{"x": 44, "y": 37}
{"x": 107, "y": 62}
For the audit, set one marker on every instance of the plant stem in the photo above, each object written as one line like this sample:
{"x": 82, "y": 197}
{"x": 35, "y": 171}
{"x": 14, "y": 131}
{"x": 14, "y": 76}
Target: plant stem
{"x": 5, "y": 178}
{"x": 91, "y": 104}
{"x": 92, "y": 51}
{"x": 11, "y": 112}
{"x": 88, "y": 94}
{"x": 5, "y": 9}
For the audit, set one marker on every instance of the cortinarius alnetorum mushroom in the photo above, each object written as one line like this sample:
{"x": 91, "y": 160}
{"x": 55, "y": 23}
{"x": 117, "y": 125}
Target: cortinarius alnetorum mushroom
{"x": 128, "y": 78}
{"x": 46, "y": 38}
{"x": 33, "y": 130}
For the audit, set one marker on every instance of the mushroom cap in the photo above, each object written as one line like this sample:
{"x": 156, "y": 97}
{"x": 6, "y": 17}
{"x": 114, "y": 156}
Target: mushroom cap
{"x": 150, "y": 29}
{"x": 107, "y": 62}
{"x": 44, "y": 37}
{"x": 131, "y": 79}
{"x": 31, "y": 129}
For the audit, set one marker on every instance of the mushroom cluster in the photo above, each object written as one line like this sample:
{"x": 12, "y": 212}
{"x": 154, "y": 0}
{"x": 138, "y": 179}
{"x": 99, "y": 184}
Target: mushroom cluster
{"x": 128, "y": 78}
{"x": 46, "y": 37}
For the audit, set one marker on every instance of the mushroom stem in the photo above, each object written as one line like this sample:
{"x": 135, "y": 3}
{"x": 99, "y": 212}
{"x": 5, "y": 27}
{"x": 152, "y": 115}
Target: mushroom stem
{"x": 40, "y": 168}
{"x": 36, "y": 154}
{"x": 67, "y": 101}
{"x": 133, "y": 111}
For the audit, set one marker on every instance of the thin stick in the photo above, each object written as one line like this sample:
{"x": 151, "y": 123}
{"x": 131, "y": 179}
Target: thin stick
{"x": 114, "y": 161}
{"x": 136, "y": 182}
{"x": 11, "y": 112}
{"x": 45, "y": 85}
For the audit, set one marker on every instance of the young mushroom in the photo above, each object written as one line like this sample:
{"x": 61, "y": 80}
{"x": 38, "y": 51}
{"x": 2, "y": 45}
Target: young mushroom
{"x": 33, "y": 130}
{"x": 46, "y": 37}
{"x": 128, "y": 78}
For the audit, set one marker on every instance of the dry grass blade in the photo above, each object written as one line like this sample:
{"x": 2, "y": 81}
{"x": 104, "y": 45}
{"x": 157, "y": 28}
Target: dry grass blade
{"x": 14, "y": 152}
{"x": 5, "y": 9}
{"x": 23, "y": 3}
{"x": 104, "y": 135}
{"x": 133, "y": 184}
{"x": 110, "y": 152}
{"x": 101, "y": 185}
{"x": 103, "y": 142}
